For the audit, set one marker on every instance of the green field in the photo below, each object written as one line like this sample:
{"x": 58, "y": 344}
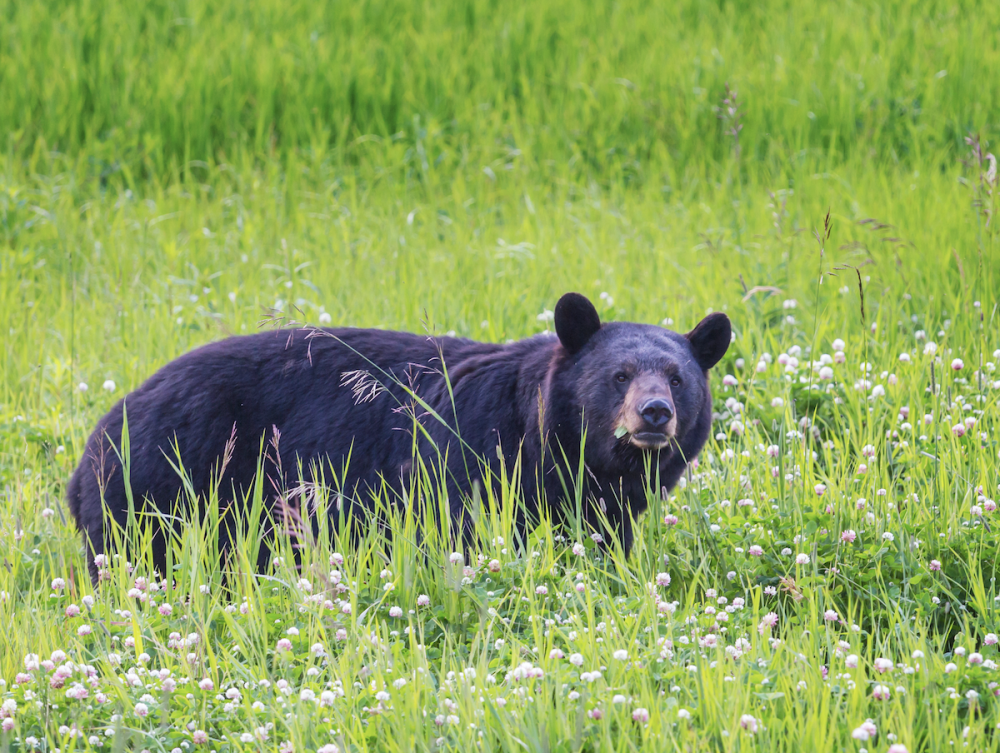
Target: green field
{"x": 175, "y": 172}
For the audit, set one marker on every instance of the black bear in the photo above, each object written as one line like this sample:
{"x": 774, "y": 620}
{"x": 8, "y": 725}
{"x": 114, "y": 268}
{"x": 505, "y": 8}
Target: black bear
{"x": 633, "y": 396}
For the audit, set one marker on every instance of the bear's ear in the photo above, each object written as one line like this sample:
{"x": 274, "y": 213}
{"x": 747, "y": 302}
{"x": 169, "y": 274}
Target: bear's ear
{"x": 576, "y": 321}
{"x": 710, "y": 339}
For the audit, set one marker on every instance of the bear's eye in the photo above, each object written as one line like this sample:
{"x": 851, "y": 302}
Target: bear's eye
{"x": 621, "y": 377}
{"x": 675, "y": 381}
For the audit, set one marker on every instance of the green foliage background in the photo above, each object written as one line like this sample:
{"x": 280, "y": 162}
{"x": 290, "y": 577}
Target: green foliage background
{"x": 625, "y": 86}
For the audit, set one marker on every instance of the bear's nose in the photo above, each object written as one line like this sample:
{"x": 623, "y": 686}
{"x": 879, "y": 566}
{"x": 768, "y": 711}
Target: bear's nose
{"x": 657, "y": 412}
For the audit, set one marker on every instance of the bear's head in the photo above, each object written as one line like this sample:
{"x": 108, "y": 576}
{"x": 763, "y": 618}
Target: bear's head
{"x": 636, "y": 387}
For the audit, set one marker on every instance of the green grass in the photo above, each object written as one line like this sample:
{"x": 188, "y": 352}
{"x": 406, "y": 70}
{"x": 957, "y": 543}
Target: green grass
{"x": 626, "y": 88}
{"x": 177, "y": 172}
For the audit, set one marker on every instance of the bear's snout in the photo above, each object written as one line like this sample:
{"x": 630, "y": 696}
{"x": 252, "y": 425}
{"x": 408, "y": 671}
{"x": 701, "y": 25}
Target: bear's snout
{"x": 657, "y": 412}
{"x": 648, "y": 413}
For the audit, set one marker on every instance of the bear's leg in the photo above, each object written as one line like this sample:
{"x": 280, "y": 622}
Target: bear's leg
{"x": 158, "y": 544}
{"x": 626, "y": 535}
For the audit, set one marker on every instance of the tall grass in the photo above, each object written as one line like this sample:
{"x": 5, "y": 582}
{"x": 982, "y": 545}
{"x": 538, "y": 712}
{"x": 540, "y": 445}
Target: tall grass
{"x": 624, "y": 88}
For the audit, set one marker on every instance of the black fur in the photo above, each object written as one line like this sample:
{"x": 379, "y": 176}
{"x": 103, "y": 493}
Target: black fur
{"x": 318, "y": 387}
{"x": 710, "y": 339}
{"x": 576, "y": 321}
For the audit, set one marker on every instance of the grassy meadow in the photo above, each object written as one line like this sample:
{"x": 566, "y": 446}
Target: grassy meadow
{"x": 172, "y": 173}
